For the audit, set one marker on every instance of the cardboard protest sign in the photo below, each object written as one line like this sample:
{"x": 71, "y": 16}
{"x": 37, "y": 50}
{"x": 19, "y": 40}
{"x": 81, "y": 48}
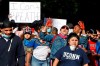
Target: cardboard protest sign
{"x": 24, "y": 12}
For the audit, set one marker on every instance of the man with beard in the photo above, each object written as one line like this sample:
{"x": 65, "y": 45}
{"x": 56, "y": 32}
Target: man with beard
{"x": 94, "y": 45}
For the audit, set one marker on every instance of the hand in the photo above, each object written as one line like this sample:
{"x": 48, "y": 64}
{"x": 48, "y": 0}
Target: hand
{"x": 49, "y": 22}
{"x": 44, "y": 28}
{"x": 27, "y": 64}
{"x": 80, "y": 46}
{"x": 84, "y": 49}
{"x": 82, "y": 26}
{"x": 94, "y": 53}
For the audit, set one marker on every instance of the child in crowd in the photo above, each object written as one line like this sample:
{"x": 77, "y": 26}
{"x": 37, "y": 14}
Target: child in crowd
{"x": 36, "y": 48}
{"x": 27, "y": 40}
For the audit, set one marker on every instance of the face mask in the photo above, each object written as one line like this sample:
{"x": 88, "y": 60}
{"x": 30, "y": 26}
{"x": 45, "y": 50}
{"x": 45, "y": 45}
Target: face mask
{"x": 49, "y": 30}
{"x": 72, "y": 48}
{"x": 6, "y": 36}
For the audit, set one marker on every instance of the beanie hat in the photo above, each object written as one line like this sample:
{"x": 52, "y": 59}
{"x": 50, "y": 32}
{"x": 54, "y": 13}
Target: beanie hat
{"x": 27, "y": 30}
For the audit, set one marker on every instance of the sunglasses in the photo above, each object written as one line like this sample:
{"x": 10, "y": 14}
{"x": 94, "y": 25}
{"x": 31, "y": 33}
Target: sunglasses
{"x": 95, "y": 35}
{"x": 63, "y": 27}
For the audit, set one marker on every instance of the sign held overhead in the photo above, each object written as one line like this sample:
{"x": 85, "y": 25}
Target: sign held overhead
{"x": 24, "y": 12}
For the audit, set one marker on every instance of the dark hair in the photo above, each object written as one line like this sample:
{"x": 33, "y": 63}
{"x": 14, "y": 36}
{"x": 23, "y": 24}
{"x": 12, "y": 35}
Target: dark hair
{"x": 92, "y": 31}
{"x": 54, "y": 29}
{"x": 70, "y": 25}
{"x": 7, "y": 24}
{"x": 72, "y": 35}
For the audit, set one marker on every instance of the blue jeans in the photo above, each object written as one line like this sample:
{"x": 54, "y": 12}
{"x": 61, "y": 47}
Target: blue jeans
{"x": 36, "y": 62}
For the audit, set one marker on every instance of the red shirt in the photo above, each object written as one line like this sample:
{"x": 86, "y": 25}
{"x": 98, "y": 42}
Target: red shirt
{"x": 92, "y": 45}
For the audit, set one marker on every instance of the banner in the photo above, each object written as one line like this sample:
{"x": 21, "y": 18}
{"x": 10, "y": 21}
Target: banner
{"x": 24, "y": 12}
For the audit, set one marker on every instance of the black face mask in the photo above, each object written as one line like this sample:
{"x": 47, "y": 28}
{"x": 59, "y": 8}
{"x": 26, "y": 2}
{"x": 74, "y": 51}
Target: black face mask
{"x": 93, "y": 39}
{"x": 88, "y": 37}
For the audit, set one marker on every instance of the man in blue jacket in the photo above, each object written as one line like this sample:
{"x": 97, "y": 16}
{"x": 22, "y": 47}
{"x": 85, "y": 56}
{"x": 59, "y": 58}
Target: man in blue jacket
{"x": 11, "y": 47}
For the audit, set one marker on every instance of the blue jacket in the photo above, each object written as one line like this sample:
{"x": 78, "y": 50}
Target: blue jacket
{"x": 98, "y": 47}
{"x": 46, "y": 37}
{"x": 30, "y": 43}
{"x": 84, "y": 41}
{"x": 34, "y": 43}
{"x": 56, "y": 45}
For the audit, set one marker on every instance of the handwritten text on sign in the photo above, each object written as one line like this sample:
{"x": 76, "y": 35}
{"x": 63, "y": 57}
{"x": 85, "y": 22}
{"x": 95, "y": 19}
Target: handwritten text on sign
{"x": 24, "y": 11}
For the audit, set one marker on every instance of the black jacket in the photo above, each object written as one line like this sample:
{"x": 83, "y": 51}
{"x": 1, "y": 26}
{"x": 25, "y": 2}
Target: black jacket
{"x": 15, "y": 56}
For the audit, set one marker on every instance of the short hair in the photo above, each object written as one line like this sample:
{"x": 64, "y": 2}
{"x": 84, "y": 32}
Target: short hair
{"x": 72, "y": 35}
{"x": 7, "y": 24}
{"x": 92, "y": 31}
{"x": 54, "y": 29}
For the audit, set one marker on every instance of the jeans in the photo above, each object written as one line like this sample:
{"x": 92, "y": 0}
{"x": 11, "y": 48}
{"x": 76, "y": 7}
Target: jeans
{"x": 36, "y": 62}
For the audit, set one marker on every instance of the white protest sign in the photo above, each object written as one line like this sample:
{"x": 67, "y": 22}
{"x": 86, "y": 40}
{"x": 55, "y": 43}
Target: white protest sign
{"x": 58, "y": 23}
{"x": 24, "y": 12}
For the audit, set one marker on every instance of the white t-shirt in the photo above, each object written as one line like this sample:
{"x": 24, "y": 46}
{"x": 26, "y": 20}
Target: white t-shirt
{"x": 41, "y": 52}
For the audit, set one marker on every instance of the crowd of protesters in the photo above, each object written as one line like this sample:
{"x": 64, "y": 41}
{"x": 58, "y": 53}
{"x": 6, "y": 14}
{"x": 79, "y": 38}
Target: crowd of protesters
{"x": 26, "y": 46}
